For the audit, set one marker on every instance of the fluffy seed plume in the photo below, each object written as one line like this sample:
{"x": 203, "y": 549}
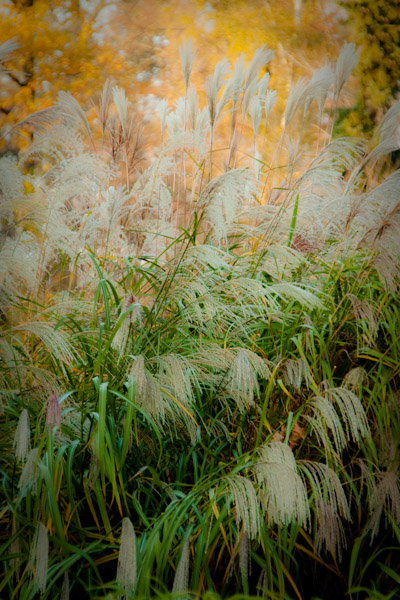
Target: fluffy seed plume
{"x": 187, "y": 56}
{"x": 262, "y": 85}
{"x": 385, "y": 498}
{"x": 148, "y": 393}
{"x": 121, "y": 104}
{"x": 295, "y": 100}
{"x": 53, "y": 417}
{"x": 175, "y": 374}
{"x": 295, "y": 292}
{"x": 72, "y": 112}
{"x": 104, "y": 105}
{"x": 296, "y": 371}
{"x": 318, "y": 87}
{"x": 242, "y": 377}
{"x": 325, "y": 416}
{"x": 354, "y": 379}
{"x": 22, "y": 438}
{"x": 261, "y": 57}
{"x": 352, "y": 412}
{"x": 7, "y": 48}
{"x": 39, "y": 557}
{"x": 346, "y": 62}
{"x": 330, "y": 533}
{"x": 213, "y": 85}
{"x": 181, "y": 579}
{"x": 255, "y": 114}
{"x": 29, "y": 475}
{"x": 331, "y": 506}
{"x": 390, "y": 123}
{"x": 365, "y": 314}
{"x": 283, "y": 493}
{"x": 126, "y": 569}
{"x": 246, "y": 503}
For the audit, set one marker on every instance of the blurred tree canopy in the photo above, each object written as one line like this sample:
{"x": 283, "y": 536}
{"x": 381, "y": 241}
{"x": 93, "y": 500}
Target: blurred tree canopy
{"x": 302, "y": 38}
{"x": 374, "y": 25}
{"x": 75, "y": 45}
{"x": 63, "y": 45}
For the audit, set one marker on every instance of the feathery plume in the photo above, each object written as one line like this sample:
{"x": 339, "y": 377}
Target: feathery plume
{"x": 126, "y": 569}
{"x": 202, "y": 304}
{"x": 364, "y": 314}
{"x": 352, "y": 412}
{"x": 187, "y": 56}
{"x": 386, "y": 146}
{"x": 236, "y": 81}
{"x": 121, "y": 104}
{"x": 193, "y": 107}
{"x": 7, "y": 48}
{"x": 283, "y": 493}
{"x": 30, "y": 472}
{"x": 251, "y": 293}
{"x": 330, "y": 533}
{"x": 261, "y": 57}
{"x": 53, "y": 417}
{"x": 57, "y": 341}
{"x": 390, "y": 122}
{"x": 354, "y": 379}
{"x": 295, "y": 372}
{"x": 293, "y": 153}
{"x": 248, "y": 95}
{"x": 384, "y": 498}
{"x": 39, "y": 557}
{"x": 242, "y": 377}
{"x": 296, "y": 292}
{"x": 11, "y": 186}
{"x": 247, "y": 506}
{"x": 71, "y": 110}
{"x": 346, "y": 62}
{"x": 212, "y": 86}
{"x": 255, "y": 114}
{"x": 148, "y": 393}
{"x": 22, "y": 438}
{"x": 295, "y": 100}
{"x": 318, "y": 87}
{"x": 222, "y": 198}
{"x": 280, "y": 261}
{"x": 175, "y": 374}
{"x": 330, "y": 505}
{"x": 181, "y": 579}
{"x": 389, "y": 446}
{"x": 325, "y": 416}
{"x": 104, "y": 105}
{"x": 205, "y": 256}
{"x": 262, "y": 85}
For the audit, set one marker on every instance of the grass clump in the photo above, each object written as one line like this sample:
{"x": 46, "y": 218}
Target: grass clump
{"x": 200, "y": 350}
